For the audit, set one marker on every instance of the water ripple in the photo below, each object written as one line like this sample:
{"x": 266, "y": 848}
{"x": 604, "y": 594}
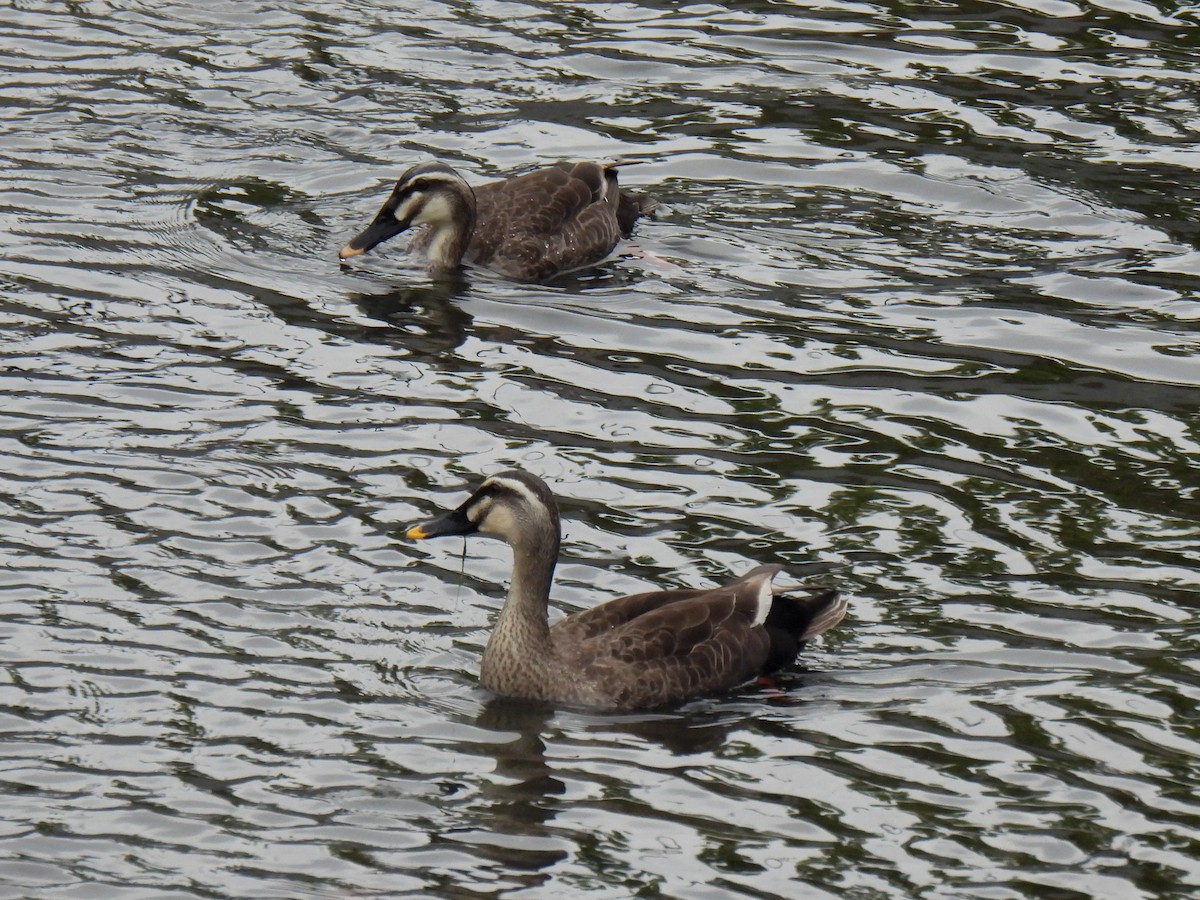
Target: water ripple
{"x": 917, "y": 317}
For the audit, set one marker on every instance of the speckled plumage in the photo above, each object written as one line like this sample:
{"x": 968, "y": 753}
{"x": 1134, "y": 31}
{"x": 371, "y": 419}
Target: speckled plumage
{"x": 645, "y": 650}
{"x": 529, "y": 228}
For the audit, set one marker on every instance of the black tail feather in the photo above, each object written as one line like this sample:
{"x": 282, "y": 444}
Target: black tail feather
{"x": 796, "y": 617}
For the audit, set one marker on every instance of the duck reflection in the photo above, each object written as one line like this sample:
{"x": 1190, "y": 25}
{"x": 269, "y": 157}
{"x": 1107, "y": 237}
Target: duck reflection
{"x": 424, "y": 318}
{"x": 528, "y": 790}
{"x": 522, "y": 759}
{"x": 520, "y": 802}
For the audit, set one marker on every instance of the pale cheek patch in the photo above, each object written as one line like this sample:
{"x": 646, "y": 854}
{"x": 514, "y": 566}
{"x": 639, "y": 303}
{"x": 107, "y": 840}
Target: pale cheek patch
{"x": 435, "y": 211}
{"x": 499, "y": 522}
{"x": 479, "y": 512}
{"x": 405, "y": 210}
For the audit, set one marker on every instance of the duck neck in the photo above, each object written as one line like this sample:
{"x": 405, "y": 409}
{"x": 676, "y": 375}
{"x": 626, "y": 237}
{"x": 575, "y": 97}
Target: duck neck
{"x": 524, "y": 620}
{"x": 517, "y": 652}
{"x": 450, "y": 237}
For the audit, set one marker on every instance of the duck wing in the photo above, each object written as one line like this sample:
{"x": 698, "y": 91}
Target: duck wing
{"x": 662, "y": 647}
{"x": 628, "y": 613}
{"x": 547, "y": 221}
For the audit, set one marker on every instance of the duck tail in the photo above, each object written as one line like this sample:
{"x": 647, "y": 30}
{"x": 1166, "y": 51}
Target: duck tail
{"x": 631, "y": 205}
{"x": 798, "y": 614}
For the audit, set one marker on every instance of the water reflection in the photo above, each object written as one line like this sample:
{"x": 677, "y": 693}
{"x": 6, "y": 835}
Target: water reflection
{"x": 522, "y": 803}
{"x": 927, "y": 328}
{"x": 427, "y": 319}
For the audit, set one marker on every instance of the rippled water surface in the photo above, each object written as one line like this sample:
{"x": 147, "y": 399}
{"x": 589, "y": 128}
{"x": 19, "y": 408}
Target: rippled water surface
{"x": 918, "y": 317}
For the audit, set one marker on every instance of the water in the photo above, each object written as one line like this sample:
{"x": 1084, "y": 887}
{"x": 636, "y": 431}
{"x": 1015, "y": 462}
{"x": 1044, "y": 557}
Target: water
{"x": 919, "y": 318}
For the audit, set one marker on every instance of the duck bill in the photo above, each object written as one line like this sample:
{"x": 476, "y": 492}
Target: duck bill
{"x": 384, "y": 227}
{"x": 455, "y": 522}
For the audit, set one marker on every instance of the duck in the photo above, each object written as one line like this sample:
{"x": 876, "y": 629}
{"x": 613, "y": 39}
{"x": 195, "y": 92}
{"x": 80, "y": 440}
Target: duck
{"x": 528, "y": 228}
{"x": 648, "y": 650}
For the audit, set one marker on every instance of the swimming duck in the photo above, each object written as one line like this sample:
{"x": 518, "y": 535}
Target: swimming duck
{"x": 528, "y": 228}
{"x": 645, "y": 650}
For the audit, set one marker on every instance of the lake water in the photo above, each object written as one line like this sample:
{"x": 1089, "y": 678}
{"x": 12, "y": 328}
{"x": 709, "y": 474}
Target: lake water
{"x": 919, "y": 318}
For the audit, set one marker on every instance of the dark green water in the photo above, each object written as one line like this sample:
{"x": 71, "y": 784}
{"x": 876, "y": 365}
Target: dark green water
{"x": 919, "y": 318}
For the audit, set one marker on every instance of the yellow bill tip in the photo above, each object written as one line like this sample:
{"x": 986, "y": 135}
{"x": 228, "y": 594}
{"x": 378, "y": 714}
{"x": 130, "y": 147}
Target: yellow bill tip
{"x": 416, "y": 533}
{"x": 349, "y": 251}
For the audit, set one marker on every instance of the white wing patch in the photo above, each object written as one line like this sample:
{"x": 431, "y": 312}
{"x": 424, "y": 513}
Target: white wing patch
{"x": 766, "y": 597}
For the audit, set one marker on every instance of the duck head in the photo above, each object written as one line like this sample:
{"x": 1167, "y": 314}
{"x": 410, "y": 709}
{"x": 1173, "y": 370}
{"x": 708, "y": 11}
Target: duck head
{"x": 514, "y": 506}
{"x": 431, "y": 194}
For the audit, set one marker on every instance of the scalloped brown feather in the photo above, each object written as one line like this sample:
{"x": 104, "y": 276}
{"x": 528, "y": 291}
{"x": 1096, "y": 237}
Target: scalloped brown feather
{"x": 551, "y": 220}
{"x": 662, "y": 647}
